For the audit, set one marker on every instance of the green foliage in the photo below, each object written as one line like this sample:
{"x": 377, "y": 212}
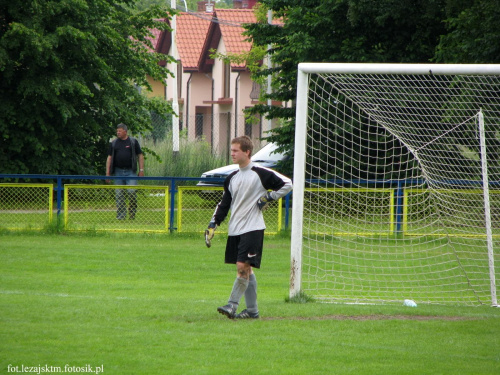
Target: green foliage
{"x": 68, "y": 70}
{"x": 473, "y": 33}
{"x": 252, "y": 59}
{"x": 142, "y": 5}
{"x": 180, "y": 4}
{"x": 161, "y": 123}
{"x": 192, "y": 160}
{"x": 397, "y": 31}
{"x": 221, "y": 4}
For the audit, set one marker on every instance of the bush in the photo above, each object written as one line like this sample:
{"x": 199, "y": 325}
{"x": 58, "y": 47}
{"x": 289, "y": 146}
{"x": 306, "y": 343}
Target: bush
{"x": 193, "y": 158}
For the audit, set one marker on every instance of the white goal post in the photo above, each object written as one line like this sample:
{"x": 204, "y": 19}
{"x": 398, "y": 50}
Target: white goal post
{"x": 396, "y": 183}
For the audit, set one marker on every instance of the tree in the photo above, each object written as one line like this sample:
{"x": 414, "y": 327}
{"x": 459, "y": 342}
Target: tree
{"x": 473, "y": 33}
{"x": 340, "y": 31}
{"x": 69, "y": 71}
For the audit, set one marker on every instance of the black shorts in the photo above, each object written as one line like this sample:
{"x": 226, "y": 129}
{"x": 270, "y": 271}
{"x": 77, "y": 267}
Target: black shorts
{"x": 245, "y": 248}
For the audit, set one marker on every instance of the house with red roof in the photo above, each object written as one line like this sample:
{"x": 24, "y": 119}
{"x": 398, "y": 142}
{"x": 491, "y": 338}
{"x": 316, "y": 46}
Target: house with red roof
{"x": 231, "y": 81}
{"x": 212, "y": 94}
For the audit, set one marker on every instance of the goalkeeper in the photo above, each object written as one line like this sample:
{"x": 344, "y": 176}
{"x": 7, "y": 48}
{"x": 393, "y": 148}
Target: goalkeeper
{"x": 246, "y": 195}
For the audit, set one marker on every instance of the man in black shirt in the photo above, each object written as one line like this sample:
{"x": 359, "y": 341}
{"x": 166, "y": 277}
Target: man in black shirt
{"x": 123, "y": 155}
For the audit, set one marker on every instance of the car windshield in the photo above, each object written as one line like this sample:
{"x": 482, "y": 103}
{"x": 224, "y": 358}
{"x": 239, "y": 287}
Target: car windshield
{"x": 267, "y": 153}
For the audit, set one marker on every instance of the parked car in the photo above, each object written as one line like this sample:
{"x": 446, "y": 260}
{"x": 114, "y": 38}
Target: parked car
{"x": 265, "y": 157}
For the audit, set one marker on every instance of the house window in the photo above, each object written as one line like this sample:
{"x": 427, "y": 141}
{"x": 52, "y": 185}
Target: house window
{"x": 248, "y": 127}
{"x": 226, "y": 89}
{"x": 198, "y": 123}
{"x": 255, "y": 93}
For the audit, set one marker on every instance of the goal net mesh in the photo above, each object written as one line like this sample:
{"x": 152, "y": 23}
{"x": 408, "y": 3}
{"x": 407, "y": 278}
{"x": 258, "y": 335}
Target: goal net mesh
{"x": 394, "y": 204}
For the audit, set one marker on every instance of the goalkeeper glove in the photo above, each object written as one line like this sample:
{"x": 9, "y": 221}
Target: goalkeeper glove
{"x": 263, "y": 202}
{"x": 209, "y": 233}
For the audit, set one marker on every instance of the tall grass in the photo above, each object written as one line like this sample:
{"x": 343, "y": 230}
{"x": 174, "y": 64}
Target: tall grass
{"x": 193, "y": 158}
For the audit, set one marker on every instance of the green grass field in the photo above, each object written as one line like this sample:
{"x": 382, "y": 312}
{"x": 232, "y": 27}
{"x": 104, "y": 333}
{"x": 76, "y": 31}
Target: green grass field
{"x": 146, "y": 304}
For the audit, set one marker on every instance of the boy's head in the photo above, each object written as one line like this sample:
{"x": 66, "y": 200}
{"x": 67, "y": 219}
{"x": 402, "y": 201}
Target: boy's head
{"x": 245, "y": 143}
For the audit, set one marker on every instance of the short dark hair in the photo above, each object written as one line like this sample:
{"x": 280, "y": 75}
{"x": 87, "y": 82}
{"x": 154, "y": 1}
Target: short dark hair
{"x": 122, "y": 126}
{"x": 245, "y": 143}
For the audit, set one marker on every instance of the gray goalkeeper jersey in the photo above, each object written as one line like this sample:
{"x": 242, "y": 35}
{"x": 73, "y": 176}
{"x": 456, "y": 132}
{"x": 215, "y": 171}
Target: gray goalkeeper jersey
{"x": 242, "y": 190}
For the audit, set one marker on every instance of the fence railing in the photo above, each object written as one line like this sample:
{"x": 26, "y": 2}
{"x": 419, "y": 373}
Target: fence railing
{"x": 172, "y": 204}
{"x": 196, "y": 204}
{"x": 167, "y": 206}
{"x": 26, "y": 205}
{"x": 145, "y": 208}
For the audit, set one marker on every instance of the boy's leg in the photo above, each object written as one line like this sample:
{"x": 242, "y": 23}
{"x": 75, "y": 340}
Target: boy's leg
{"x": 252, "y": 255}
{"x": 252, "y": 311}
{"x": 239, "y": 287}
{"x": 240, "y": 284}
{"x": 251, "y": 295}
{"x": 246, "y": 251}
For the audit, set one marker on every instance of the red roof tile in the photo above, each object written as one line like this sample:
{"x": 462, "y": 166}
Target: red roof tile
{"x": 160, "y": 41}
{"x": 156, "y": 37}
{"x": 191, "y": 34}
{"x": 230, "y": 23}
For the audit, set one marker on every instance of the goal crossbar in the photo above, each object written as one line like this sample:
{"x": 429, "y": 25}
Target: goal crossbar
{"x": 410, "y": 69}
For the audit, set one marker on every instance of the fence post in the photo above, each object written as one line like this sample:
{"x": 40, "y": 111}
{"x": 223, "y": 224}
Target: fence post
{"x": 399, "y": 207}
{"x": 59, "y": 196}
{"x": 172, "y": 204}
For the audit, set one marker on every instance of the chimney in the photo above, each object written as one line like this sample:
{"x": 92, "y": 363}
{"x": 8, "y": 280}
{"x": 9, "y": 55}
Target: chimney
{"x": 206, "y": 6}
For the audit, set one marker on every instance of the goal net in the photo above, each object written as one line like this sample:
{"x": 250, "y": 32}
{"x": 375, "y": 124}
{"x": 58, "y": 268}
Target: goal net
{"x": 397, "y": 183}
